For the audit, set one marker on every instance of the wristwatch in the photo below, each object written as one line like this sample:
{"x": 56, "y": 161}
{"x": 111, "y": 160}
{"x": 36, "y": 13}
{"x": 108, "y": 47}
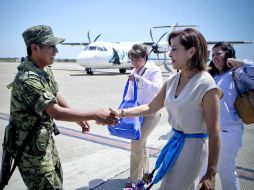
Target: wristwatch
{"x": 122, "y": 114}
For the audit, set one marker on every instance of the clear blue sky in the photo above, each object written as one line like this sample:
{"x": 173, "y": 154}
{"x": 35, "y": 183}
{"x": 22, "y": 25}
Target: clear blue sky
{"x": 120, "y": 20}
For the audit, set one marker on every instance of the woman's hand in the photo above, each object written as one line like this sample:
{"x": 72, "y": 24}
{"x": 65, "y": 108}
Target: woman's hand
{"x": 207, "y": 183}
{"x": 234, "y": 63}
{"x": 116, "y": 113}
{"x": 132, "y": 76}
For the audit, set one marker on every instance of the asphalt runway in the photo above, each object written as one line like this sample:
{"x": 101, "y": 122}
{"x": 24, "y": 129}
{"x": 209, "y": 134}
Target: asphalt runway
{"x": 98, "y": 160}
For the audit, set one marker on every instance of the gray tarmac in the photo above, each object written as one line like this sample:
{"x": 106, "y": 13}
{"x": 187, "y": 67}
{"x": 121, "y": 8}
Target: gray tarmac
{"x": 98, "y": 160}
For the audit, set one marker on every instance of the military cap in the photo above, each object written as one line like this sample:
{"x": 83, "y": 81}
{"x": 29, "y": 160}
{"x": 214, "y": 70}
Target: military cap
{"x": 40, "y": 34}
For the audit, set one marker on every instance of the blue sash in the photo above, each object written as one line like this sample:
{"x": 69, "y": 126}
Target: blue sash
{"x": 171, "y": 151}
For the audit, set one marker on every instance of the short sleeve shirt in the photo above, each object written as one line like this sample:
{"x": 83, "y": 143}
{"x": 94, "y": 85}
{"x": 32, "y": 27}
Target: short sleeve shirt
{"x": 185, "y": 112}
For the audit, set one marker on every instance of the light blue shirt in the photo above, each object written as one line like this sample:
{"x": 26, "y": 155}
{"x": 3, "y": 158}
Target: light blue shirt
{"x": 245, "y": 76}
{"x": 229, "y": 119}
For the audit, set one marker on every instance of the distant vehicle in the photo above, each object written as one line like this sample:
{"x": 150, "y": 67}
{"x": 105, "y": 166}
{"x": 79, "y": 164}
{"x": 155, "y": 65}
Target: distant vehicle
{"x": 114, "y": 55}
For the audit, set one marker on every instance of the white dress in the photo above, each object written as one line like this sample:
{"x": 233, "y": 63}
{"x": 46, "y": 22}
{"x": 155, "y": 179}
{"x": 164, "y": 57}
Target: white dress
{"x": 185, "y": 114}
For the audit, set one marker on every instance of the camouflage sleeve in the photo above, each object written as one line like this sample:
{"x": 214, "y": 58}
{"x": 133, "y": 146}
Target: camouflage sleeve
{"x": 52, "y": 79}
{"x": 36, "y": 95}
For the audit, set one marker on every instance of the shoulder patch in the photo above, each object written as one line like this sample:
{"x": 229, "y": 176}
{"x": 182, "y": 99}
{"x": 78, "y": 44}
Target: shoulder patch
{"x": 23, "y": 76}
{"x": 29, "y": 75}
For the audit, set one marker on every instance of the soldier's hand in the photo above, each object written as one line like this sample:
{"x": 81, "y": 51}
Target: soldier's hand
{"x": 104, "y": 117}
{"x": 84, "y": 126}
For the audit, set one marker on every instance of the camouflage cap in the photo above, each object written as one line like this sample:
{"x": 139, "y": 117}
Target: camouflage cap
{"x": 40, "y": 34}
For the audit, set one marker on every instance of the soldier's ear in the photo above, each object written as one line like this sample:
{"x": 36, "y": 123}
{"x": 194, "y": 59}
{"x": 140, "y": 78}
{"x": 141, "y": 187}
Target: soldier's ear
{"x": 35, "y": 47}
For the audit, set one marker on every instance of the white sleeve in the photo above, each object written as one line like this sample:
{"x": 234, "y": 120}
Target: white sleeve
{"x": 153, "y": 84}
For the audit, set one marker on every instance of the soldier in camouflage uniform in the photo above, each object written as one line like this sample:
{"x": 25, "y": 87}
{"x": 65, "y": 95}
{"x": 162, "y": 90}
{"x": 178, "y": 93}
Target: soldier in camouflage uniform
{"x": 35, "y": 102}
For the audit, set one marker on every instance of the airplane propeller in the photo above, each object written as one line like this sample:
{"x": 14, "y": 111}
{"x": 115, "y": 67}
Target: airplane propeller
{"x": 155, "y": 47}
{"x": 89, "y": 39}
{"x": 82, "y": 43}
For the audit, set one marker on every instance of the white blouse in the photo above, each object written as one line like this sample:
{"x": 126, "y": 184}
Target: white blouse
{"x": 185, "y": 112}
{"x": 149, "y": 83}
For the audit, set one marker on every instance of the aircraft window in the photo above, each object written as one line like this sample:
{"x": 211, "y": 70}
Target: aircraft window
{"x": 85, "y": 48}
{"x": 92, "y": 48}
{"x": 105, "y": 49}
{"x": 99, "y": 48}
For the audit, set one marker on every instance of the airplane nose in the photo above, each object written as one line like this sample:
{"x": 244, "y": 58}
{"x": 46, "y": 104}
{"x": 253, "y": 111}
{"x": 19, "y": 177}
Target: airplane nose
{"x": 87, "y": 58}
{"x": 86, "y": 55}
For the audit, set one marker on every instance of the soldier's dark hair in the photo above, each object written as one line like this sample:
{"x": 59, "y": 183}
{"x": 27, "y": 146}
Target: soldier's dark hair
{"x": 229, "y": 51}
{"x": 138, "y": 51}
{"x": 189, "y": 38}
{"x": 29, "y": 51}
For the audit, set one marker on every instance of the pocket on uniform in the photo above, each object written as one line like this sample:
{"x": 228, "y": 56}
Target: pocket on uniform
{"x": 42, "y": 139}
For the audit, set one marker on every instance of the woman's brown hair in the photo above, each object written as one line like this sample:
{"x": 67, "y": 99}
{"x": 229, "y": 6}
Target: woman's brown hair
{"x": 190, "y": 37}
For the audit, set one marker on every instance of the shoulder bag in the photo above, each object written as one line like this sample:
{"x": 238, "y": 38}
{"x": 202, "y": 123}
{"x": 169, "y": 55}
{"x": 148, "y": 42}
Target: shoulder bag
{"x": 244, "y": 103}
{"x": 128, "y": 127}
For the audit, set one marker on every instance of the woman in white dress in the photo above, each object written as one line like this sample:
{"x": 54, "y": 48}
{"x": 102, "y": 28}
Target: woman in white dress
{"x": 191, "y": 98}
{"x": 232, "y": 127}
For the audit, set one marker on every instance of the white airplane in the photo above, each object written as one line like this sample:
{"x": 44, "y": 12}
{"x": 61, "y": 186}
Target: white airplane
{"x": 105, "y": 55}
{"x": 114, "y": 55}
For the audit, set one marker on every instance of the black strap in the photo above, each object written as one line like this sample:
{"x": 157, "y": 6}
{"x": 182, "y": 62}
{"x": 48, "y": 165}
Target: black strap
{"x": 142, "y": 72}
{"x": 234, "y": 79}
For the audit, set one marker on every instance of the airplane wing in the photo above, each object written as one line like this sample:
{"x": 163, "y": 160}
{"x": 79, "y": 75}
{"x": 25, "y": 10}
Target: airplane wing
{"x": 176, "y": 25}
{"x": 209, "y": 42}
{"x": 82, "y": 43}
{"x": 76, "y": 44}
{"x": 231, "y": 42}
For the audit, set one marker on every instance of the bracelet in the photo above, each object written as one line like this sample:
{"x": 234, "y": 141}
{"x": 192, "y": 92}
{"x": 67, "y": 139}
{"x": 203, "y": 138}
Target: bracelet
{"x": 122, "y": 114}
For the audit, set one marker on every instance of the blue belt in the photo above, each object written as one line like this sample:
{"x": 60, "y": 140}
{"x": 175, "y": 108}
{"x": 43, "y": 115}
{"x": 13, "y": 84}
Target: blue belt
{"x": 171, "y": 151}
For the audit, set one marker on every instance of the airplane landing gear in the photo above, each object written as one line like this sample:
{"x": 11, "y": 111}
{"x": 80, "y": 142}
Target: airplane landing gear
{"x": 122, "y": 71}
{"x": 89, "y": 71}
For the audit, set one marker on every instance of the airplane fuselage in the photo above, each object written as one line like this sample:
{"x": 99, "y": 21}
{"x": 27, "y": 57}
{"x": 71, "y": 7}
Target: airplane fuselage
{"x": 105, "y": 55}
{"x": 108, "y": 55}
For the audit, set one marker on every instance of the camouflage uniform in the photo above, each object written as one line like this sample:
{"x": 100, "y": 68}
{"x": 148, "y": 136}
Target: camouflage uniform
{"x": 32, "y": 90}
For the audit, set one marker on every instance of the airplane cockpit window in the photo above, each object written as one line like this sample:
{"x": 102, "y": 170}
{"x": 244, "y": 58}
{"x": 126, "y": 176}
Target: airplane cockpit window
{"x": 99, "y": 48}
{"x": 92, "y": 48}
{"x": 85, "y": 48}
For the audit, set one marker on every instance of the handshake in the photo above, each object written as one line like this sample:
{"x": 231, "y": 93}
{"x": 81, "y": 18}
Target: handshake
{"x": 101, "y": 116}
{"x": 106, "y": 117}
